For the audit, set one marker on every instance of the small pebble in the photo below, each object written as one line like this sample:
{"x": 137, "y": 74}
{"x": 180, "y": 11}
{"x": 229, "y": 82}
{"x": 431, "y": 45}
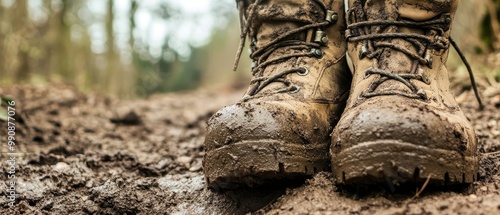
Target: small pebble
{"x": 61, "y": 167}
{"x": 492, "y": 123}
{"x": 184, "y": 159}
{"x": 195, "y": 167}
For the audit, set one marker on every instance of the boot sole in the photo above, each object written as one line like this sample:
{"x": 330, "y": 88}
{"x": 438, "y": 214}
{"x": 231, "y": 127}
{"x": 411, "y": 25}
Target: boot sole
{"x": 395, "y": 162}
{"x": 254, "y": 163}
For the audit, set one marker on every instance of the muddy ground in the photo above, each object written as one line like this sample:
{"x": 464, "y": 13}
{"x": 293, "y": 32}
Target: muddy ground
{"x": 88, "y": 154}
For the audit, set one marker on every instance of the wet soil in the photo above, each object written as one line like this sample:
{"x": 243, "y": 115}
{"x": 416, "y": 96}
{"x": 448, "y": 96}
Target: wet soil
{"x": 88, "y": 154}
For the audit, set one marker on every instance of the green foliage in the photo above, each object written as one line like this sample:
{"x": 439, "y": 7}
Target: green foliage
{"x": 487, "y": 33}
{"x": 59, "y": 47}
{"x": 4, "y": 103}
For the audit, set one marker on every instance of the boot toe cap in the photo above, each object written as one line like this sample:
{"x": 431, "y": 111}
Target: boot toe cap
{"x": 405, "y": 121}
{"x": 296, "y": 123}
{"x": 264, "y": 142}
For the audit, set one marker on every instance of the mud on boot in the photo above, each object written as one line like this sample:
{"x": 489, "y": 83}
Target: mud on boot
{"x": 401, "y": 122}
{"x": 280, "y": 129}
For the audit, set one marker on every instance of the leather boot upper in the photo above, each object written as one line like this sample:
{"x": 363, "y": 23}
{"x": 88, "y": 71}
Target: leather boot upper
{"x": 300, "y": 76}
{"x": 400, "y": 88}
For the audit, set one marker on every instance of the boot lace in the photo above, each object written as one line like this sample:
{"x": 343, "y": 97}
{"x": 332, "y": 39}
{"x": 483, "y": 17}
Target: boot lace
{"x": 260, "y": 55}
{"x": 374, "y": 43}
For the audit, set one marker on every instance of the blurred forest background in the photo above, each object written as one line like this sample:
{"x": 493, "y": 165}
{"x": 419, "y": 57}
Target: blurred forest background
{"x": 131, "y": 48}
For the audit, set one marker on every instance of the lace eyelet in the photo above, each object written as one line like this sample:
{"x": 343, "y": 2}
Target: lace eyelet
{"x": 427, "y": 80}
{"x": 303, "y": 71}
{"x": 348, "y": 34}
{"x": 254, "y": 64}
{"x": 321, "y": 38}
{"x": 367, "y": 75}
{"x": 428, "y": 61}
{"x": 362, "y": 96}
{"x": 422, "y": 94}
{"x": 318, "y": 53}
{"x": 332, "y": 17}
{"x": 246, "y": 97}
{"x": 294, "y": 89}
{"x": 446, "y": 17}
{"x": 364, "y": 52}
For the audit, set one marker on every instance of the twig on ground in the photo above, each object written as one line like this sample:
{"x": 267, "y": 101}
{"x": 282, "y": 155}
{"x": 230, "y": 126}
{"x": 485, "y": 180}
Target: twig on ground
{"x": 423, "y": 187}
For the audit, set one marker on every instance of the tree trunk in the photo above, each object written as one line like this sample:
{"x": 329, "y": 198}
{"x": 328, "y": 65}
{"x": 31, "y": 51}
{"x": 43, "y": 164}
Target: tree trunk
{"x": 20, "y": 25}
{"x": 134, "y": 61}
{"x": 112, "y": 57}
{"x": 2, "y": 47}
{"x": 64, "y": 56}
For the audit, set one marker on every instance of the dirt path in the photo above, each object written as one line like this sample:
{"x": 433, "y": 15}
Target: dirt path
{"x": 89, "y": 154}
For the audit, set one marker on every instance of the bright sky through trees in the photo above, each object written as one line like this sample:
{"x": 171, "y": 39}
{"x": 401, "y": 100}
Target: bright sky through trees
{"x": 192, "y": 27}
{"x": 190, "y": 23}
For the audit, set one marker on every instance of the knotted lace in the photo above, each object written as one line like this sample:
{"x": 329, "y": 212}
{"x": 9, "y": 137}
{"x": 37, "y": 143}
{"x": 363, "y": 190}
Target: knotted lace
{"x": 260, "y": 55}
{"x": 374, "y": 44}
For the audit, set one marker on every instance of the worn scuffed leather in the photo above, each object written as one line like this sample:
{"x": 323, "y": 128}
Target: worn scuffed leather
{"x": 293, "y": 127}
{"x": 434, "y": 122}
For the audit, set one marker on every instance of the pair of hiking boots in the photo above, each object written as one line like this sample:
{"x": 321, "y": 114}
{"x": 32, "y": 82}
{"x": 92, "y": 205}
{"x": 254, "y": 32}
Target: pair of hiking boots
{"x": 391, "y": 119}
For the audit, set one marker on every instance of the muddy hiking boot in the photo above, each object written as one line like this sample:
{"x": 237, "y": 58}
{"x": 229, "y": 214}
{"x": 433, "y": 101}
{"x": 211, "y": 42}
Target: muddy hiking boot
{"x": 402, "y": 123}
{"x": 280, "y": 129}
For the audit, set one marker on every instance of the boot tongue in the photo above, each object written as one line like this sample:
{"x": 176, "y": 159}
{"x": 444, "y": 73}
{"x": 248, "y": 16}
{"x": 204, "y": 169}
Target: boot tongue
{"x": 274, "y": 18}
{"x": 391, "y": 60}
{"x": 269, "y": 31}
{"x": 381, "y": 10}
{"x": 414, "y": 10}
{"x": 419, "y": 10}
{"x": 395, "y": 61}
